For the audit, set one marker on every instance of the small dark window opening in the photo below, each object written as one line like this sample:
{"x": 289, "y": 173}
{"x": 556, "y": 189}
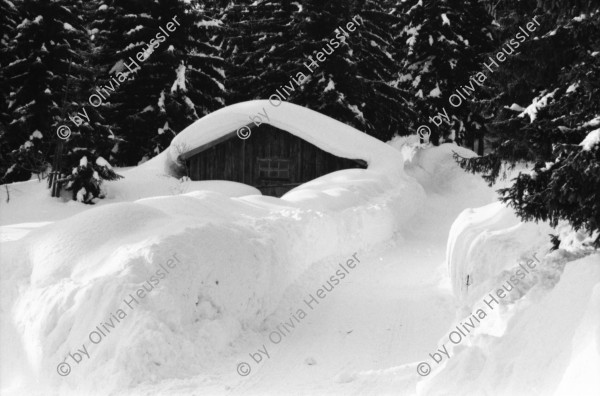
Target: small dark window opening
{"x": 273, "y": 169}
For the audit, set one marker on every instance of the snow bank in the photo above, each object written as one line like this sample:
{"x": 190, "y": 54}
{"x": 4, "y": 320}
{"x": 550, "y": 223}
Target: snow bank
{"x": 446, "y": 184}
{"x": 535, "y": 311}
{"x": 30, "y": 201}
{"x": 209, "y": 267}
{"x": 545, "y": 342}
{"x": 485, "y": 242}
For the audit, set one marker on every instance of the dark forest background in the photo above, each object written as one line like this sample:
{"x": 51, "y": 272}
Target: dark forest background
{"x": 389, "y": 77}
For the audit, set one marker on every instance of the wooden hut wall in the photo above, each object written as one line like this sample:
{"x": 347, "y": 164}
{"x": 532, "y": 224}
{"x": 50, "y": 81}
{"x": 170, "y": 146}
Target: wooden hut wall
{"x": 237, "y": 160}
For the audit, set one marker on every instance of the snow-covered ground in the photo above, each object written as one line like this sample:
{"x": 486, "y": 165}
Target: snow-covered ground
{"x": 406, "y": 250}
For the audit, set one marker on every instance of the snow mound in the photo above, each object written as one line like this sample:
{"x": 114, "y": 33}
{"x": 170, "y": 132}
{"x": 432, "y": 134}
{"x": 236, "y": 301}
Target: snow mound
{"x": 159, "y": 177}
{"x": 546, "y": 342}
{"x": 532, "y": 312}
{"x": 160, "y": 287}
{"x": 29, "y": 201}
{"x": 446, "y": 184}
{"x": 486, "y": 241}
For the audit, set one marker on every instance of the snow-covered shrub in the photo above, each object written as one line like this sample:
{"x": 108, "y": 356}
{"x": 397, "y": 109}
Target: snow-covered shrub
{"x": 86, "y": 179}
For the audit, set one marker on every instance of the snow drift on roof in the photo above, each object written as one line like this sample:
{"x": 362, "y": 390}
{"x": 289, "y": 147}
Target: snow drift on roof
{"x": 324, "y": 132}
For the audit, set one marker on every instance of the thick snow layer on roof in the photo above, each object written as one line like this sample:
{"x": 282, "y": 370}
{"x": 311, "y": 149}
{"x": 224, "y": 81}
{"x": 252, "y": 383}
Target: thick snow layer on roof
{"x": 324, "y": 132}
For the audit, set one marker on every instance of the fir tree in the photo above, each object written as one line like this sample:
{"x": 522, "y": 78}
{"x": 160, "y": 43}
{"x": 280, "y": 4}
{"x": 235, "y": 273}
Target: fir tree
{"x": 46, "y": 79}
{"x": 85, "y": 180}
{"x": 306, "y": 54}
{"x": 442, "y": 44}
{"x": 8, "y": 22}
{"x": 262, "y": 48}
{"x": 355, "y": 84}
{"x": 562, "y": 87}
{"x": 179, "y": 79}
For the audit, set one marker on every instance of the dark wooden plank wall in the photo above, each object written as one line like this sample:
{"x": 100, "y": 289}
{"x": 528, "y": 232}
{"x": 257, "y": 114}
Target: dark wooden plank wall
{"x": 236, "y": 160}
